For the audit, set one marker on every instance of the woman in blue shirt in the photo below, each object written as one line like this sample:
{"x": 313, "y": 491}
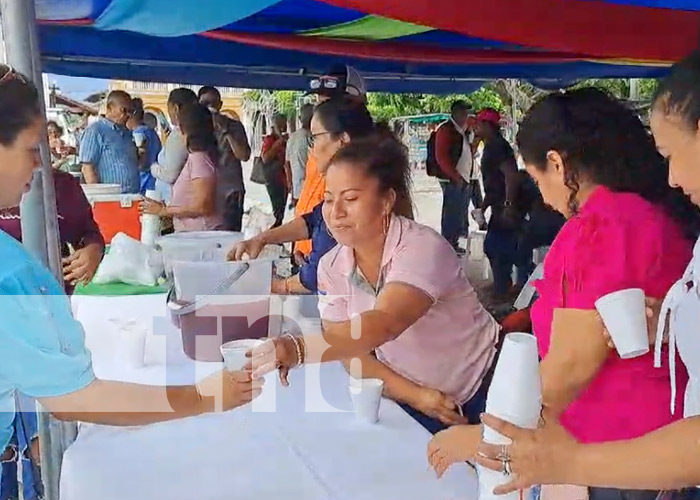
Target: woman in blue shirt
{"x": 42, "y": 346}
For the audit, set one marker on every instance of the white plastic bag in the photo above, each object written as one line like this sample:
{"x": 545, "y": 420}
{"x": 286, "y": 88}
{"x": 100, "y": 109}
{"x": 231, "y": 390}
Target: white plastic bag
{"x": 129, "y": 261}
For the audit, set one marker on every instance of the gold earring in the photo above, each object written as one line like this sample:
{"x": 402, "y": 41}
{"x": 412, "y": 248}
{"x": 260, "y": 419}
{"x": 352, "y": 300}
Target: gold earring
{"x": 385, "y": 223}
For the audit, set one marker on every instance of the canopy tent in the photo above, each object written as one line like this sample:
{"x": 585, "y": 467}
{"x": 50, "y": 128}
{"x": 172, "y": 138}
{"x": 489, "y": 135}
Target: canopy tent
{"x": 411, "y": 46}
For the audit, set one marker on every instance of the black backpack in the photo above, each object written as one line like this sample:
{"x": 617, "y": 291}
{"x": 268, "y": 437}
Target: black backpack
{"x": 432, "y": 167}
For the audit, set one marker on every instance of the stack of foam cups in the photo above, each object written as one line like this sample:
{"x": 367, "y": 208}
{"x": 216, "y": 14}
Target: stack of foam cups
{"x": 515, "y": 395}
{"x": 150, "y": 224}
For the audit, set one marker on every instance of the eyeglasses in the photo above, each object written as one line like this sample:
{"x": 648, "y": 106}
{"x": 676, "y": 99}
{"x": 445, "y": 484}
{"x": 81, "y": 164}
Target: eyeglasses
{"x": 314, "y": 136}
{"x": 10, "y": 75}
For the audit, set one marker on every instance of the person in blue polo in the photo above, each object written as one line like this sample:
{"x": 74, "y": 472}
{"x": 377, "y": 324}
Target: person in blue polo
{"x": 108, "y": 153}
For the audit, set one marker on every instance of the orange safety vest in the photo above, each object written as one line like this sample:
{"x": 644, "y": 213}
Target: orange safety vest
{"x": 311, "y": 195}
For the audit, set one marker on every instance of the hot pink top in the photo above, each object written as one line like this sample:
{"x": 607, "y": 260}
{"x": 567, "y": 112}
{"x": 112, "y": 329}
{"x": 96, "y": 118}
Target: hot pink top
{"x": 617, "y": 241}
{"x": 450, "y": 348}
{"x": 198, "y": 166}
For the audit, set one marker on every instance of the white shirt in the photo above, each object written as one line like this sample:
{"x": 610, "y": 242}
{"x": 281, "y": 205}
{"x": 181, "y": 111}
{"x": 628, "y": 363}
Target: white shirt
{"x": 465, "y": 163}
{"x": 682, "y": 304}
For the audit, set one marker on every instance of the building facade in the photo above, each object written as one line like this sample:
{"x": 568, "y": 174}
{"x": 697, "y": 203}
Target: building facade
{"x": 155, "y": 97}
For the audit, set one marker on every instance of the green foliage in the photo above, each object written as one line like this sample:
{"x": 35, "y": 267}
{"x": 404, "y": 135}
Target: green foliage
{"x": 282, "y": 101}
{"x": 385, "y": 106}
{"x": 620, "y": 88}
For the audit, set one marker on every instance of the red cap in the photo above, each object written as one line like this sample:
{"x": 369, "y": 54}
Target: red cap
{"x": 489, "y": 115}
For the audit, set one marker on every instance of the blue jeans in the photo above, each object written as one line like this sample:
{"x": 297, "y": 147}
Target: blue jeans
{"x": 455, "y": 204}
{"x": 503, "y": 250}
{"x": 25, "y": 430}
{"x": 472, "y": 409}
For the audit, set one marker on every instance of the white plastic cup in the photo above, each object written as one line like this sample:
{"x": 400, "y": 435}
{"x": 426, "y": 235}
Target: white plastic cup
{"x": 624, "y": 316}
{"x": 150, "y": 224}
{"x": 366, "y": 397}
{"x": 515, "y": 393}
{"x": 234, "y": 353}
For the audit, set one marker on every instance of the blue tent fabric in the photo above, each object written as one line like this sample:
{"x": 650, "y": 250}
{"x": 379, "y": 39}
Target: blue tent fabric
{"x": 159, "y": 18}
{"x": 69, "y": 9}
{"x": 663, "y": 4}
{"x": 197, "y": 60}
{"x": 262, "y": 44}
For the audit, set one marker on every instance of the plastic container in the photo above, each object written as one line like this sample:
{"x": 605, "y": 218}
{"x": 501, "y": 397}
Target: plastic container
{"x": 102, "y": 189}
{"x": 116, "y": 213}
{"x": 196, "y": 246}
{"x": 209, "y": 319}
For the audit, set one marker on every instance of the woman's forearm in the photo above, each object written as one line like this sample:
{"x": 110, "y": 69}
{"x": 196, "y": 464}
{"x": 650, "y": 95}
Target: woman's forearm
{"x": 287, "y": 286}
{"x": 396, "y": 386}
{"x": 186, "y": 211}
{"x": 294, "y": 230}
{"x": 124, "y": 404}
{"x": 350, "y": 339}
{"x": 668, "y": 458}
{"x": 576, "y": 353}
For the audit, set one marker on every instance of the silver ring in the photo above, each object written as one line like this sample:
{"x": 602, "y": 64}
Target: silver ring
{"x": 503, "y": 455}
{"x": 505, "y": 467}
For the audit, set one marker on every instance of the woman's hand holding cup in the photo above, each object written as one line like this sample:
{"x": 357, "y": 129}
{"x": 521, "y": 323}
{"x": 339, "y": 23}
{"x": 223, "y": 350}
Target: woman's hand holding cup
{"x": 279, "y": 353}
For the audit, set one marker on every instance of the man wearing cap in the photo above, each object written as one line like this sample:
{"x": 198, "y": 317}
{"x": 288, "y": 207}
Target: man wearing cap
{"x": 453, "y": 154}
{"x": 499, "y": 171}
{"x": 340, "y": 81}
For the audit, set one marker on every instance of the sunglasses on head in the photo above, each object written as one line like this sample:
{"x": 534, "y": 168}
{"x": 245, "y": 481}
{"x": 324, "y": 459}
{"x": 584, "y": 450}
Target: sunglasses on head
{"x": 325, "y": 82}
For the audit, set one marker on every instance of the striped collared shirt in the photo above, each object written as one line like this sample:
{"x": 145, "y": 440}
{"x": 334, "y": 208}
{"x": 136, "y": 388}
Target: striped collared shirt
{"x": 111, "y": 149}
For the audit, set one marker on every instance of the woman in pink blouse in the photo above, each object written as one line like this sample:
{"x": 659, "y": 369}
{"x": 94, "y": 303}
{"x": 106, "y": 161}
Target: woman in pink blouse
{"x": 393, "y": 295}
{"x": 595, "y": 163}
{"x": 193, "y": 205}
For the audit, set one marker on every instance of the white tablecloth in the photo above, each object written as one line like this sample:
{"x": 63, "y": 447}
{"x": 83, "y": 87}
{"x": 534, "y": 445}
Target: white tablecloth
{"x": 301, "y": 442}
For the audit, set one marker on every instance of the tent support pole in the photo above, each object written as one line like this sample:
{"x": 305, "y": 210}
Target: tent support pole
{"x": 38, "y": 211}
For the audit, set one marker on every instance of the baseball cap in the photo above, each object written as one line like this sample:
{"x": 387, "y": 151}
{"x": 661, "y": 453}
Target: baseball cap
{"x": 489, "y": 115}
{"x": 339, "y": 81}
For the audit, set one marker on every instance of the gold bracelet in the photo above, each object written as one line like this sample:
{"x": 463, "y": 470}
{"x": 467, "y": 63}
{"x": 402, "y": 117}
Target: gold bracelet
{"x": 303, "y": 349}
{"x": 297, "y": 347}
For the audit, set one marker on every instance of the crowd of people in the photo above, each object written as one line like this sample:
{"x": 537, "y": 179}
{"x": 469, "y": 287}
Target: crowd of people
{"x": 618, "y": 205}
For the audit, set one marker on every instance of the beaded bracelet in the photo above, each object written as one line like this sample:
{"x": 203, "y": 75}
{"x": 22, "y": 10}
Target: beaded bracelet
{"x": 297, "y": 347}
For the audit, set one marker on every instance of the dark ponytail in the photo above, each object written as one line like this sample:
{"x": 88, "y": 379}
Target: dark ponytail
{"x": 604, "y": 142}
{"x": 384, "y": 159}
{"x": 344, "y": 115}
{"x": 679, "y": 92}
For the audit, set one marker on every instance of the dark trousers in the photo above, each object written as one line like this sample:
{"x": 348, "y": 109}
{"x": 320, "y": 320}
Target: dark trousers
{"x": 277, "y": 192}
{"x": 476, "y": 197}
{"x": 503, "y": 250}
{"x": 233, "y": 211}
{"x": 615, "y": 494}
{"x": 472, "y": 410}
{"x": 455, "y": 203}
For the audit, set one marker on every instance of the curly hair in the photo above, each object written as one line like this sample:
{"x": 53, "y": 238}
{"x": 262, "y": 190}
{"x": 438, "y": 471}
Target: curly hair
{"x": 602, "y": 141}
